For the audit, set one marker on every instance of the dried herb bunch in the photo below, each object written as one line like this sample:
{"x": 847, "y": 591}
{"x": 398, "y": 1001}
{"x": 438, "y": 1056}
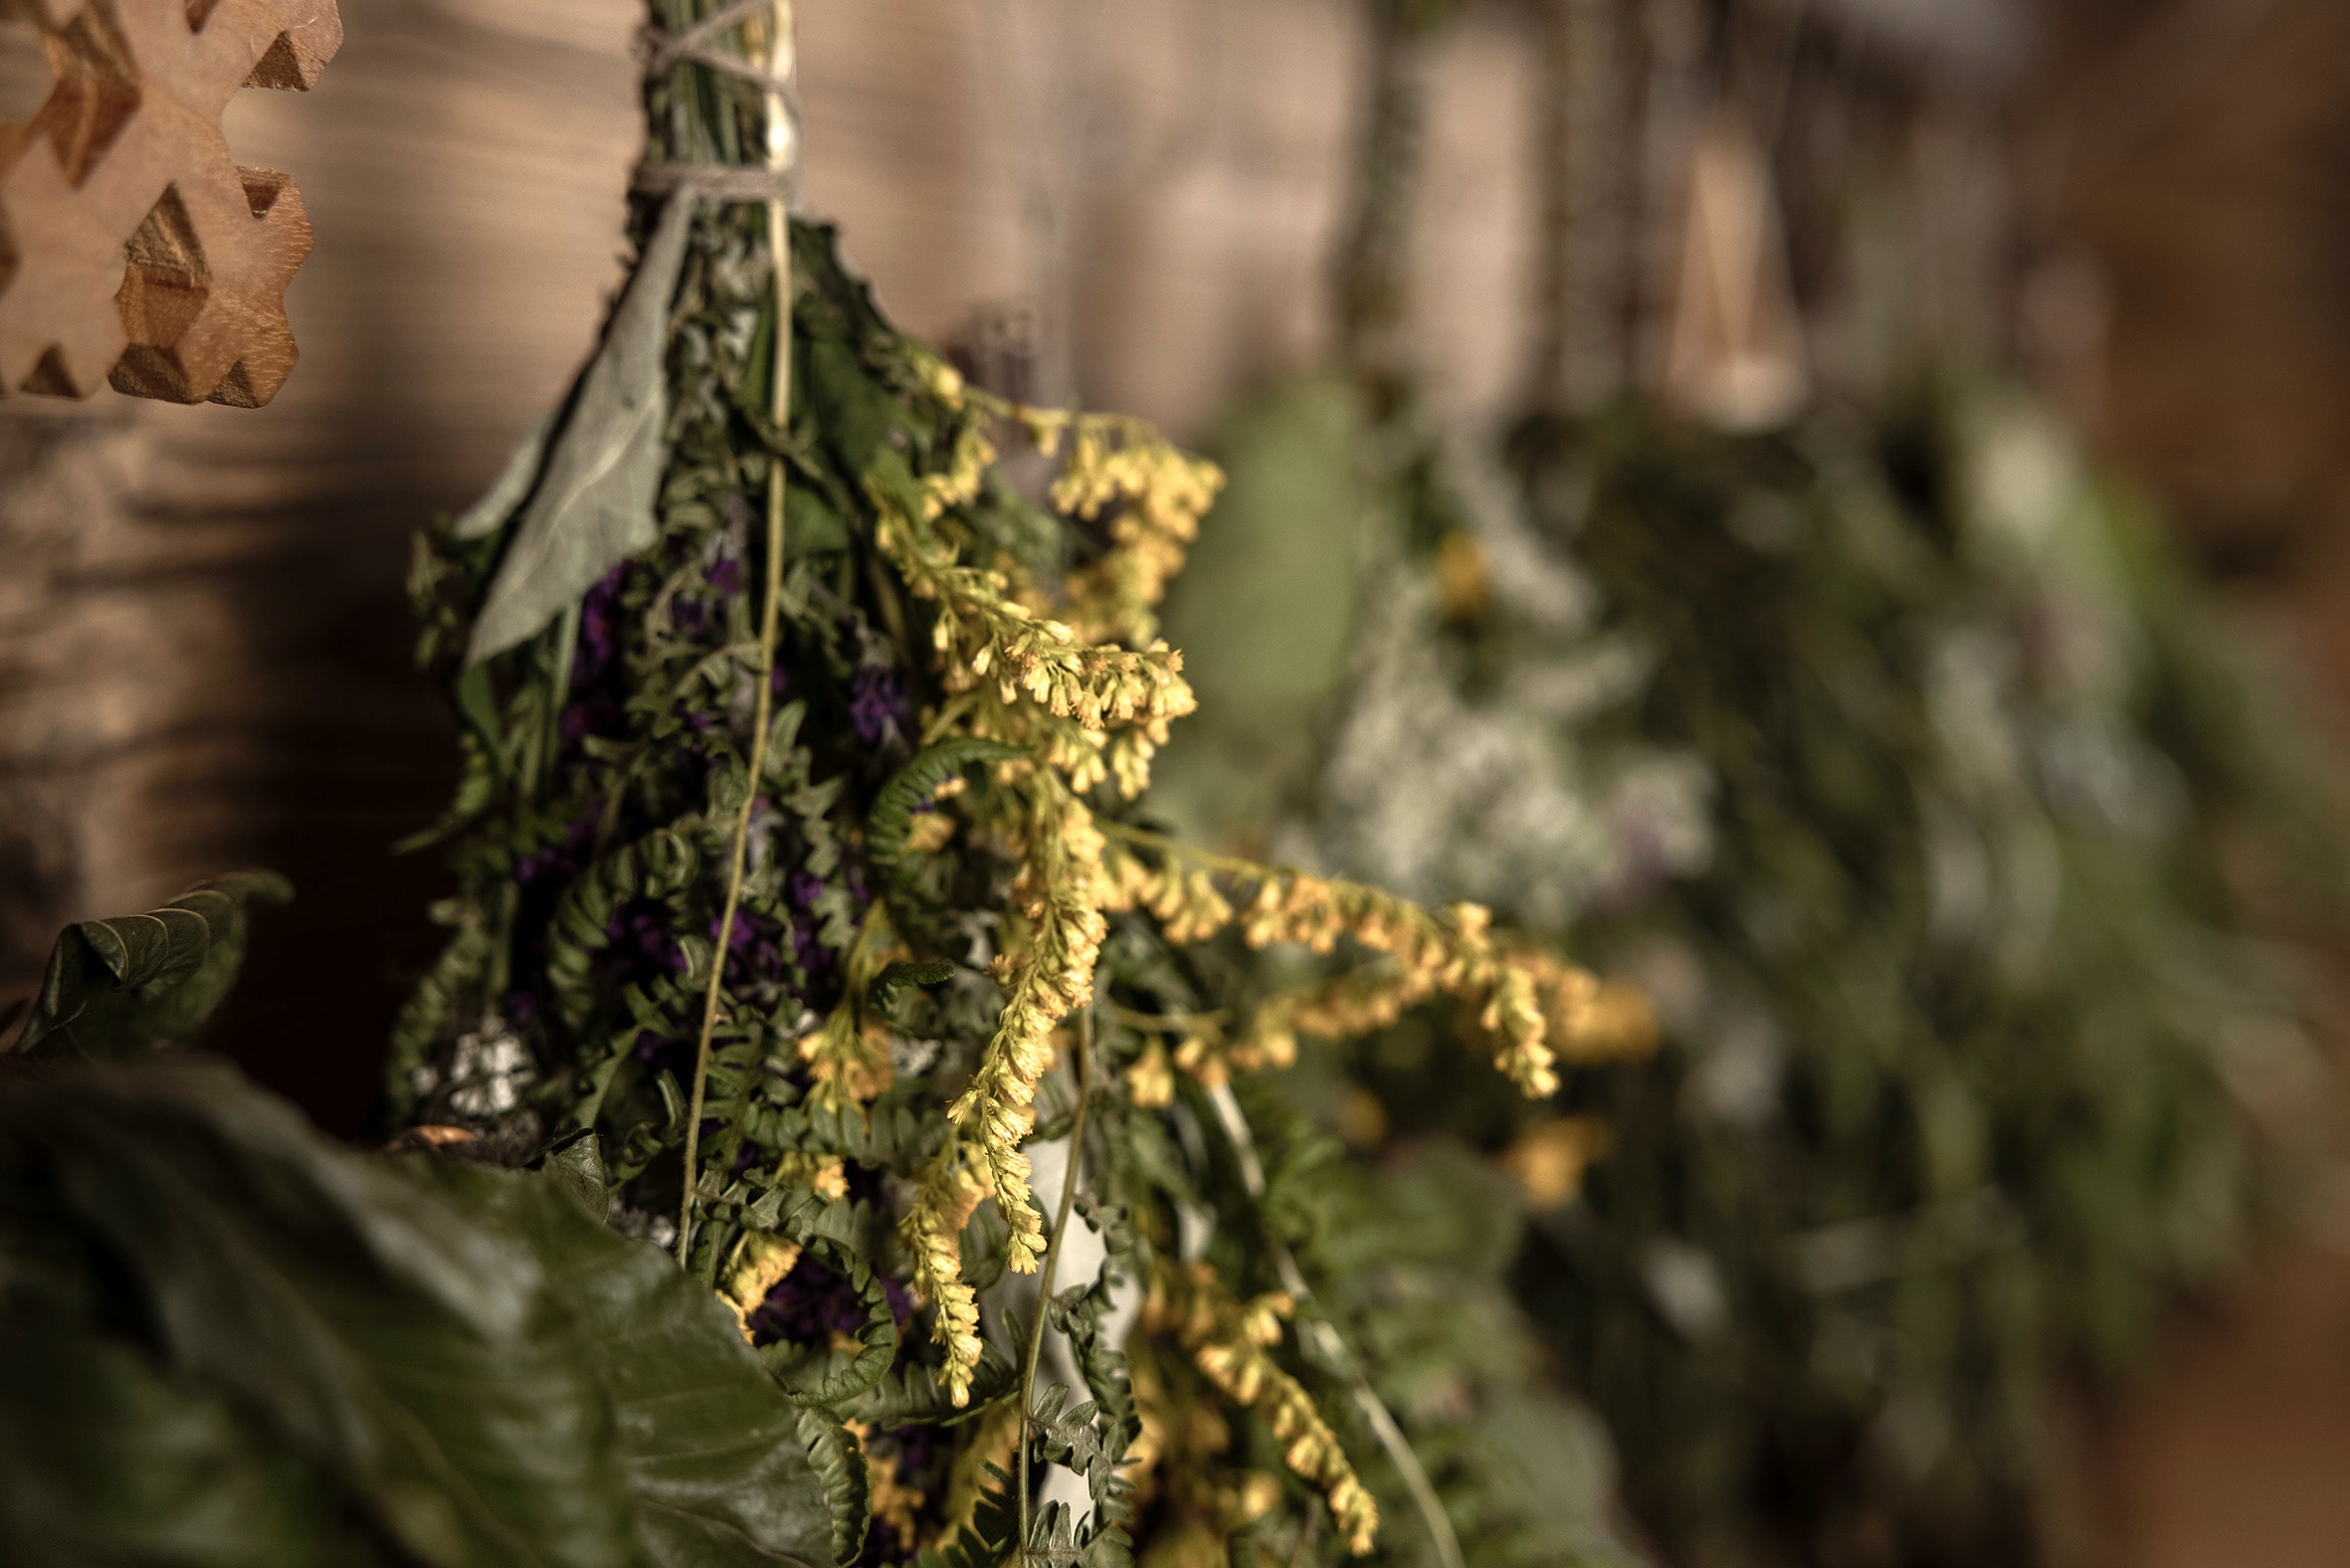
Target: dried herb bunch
{"x": 1961, "y": 990}
{"x": 827, "y": 1012}
{"x": 1894, "y": 761}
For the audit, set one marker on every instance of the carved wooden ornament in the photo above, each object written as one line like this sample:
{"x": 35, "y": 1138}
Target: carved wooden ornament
{"x": 133, "y": 250}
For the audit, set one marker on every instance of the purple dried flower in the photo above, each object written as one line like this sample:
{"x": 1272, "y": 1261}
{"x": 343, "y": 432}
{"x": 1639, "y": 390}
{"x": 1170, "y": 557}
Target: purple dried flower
{"x": 557, "y": 862}
{"x": 876, "y": 703}
{"x": 599, "y": 629}
{"x": 811, "y": 1305}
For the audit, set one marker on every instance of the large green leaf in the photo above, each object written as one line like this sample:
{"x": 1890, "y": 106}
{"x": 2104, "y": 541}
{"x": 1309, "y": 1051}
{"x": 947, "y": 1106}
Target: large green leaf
{"x": 711, "y": 1451}
{"x": 478, "y": 1367}
{"x": 103, "y": 1458}
{"x": 126, "y": 985}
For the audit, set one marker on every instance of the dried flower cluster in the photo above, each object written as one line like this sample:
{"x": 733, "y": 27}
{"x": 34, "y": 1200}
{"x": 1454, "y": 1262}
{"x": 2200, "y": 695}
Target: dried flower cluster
{"x": 1019, "y": 677}
{"x": 1538, "y": 1007}
{"x": 1229, "y": 1339}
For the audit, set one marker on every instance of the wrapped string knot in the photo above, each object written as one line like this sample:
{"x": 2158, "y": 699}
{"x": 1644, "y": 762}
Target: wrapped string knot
{"x": 699, "y": 44}
{"x": 704, "y": 44}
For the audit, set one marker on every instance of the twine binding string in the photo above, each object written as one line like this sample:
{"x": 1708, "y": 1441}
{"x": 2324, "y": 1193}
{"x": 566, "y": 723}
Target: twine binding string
{"x": 775, "y": 182}
{"x": 725, "y": 183}
{"x": 699, "y": 43}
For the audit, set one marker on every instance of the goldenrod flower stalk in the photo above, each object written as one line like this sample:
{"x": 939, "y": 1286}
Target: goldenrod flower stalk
{"x": 1115, "y": 461}
{"x": 1174, "y": 1457}
{"x": 1060, "y": 891}
{"x": 1083, "y": 711}
{"x": 826, "y": 1175}
{"x": 1535, "y": 1005}
{"x": 848, "y": 1055}
{"x": 1034, "y": 681}
{"x": 848, "y": 1058}
{"x": 1161, "y": 494}
{"x": 760, "y": 1263}
{"x": 931, "y": 1232}
{"x": 988, "y": 641}
{"x": 1228, "y": 1340}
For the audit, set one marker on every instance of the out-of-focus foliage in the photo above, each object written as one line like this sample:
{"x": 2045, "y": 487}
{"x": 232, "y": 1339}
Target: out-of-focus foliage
{"x": 224, "y": 1340}
{"x": 1898, "y": 763}
{"x": 1283, "y": 567}
{"x": 1420, "y": 1248}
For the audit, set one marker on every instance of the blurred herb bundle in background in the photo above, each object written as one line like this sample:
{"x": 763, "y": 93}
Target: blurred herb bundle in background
{"x": 1894, "y": 760}
{"x": 1952, "y": 996}
{"x": 1882, "y": 746}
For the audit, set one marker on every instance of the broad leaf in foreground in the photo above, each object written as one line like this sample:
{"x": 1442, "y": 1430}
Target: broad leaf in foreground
{"x": 459, "y": 1356}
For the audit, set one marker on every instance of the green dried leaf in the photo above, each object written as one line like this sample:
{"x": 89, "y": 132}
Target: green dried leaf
{"x": 840, "y": 1467}
{"x": 593, "y": 507}
{"x": 900, "y": 976}
{"x": 136, "y": 982}
{"x": 894, "y": 809}
{"x": 911, "y": 1395}
{"x": 107, "y": 1458}
{"x": 576, "y": 1166}
{"x": 512, "y": 487}
{"x": 710, "y": 1452}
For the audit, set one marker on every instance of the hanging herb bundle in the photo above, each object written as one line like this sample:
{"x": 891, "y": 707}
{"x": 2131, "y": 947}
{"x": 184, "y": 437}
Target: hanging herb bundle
{"x": 801, "y": 860}
{"x": 1953, "y": 993}
{"x": 1895, "y": 762}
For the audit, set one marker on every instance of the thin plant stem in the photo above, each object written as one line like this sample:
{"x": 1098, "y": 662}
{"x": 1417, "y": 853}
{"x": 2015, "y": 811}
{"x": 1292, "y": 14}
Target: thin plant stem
{"x": 780, "y": 150}
{"x": 1332, "y": 1350}
{"x": 1069, "y": 1194}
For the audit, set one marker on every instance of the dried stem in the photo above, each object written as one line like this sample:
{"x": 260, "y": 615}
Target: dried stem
{"x": 1069, "y": 1193}
{"x": 781, "y": 149}
{"x": 1332, "y": 1349}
